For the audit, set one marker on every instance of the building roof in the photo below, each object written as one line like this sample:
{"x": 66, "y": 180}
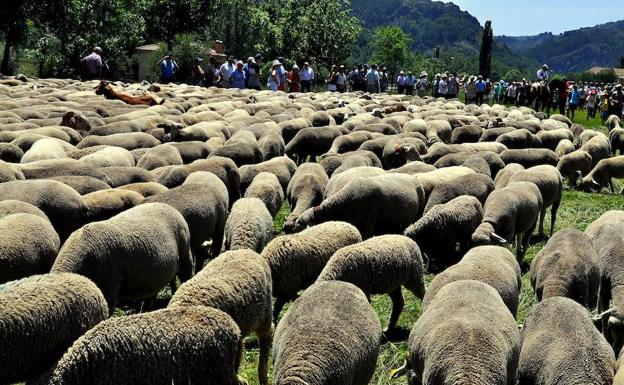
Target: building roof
{"x": 149, "y": 47}
{"x": 618, "y": 71}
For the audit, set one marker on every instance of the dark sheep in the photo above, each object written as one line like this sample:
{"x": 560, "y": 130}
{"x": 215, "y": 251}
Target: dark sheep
{"x": 351, "y": 142}
{"x": 311, "y": 142}
{"x": 550, "y": 139}
{"x": 477, "y": 185}
{"x": 290, "y": 128}
{"x": 399, "y": 151}
{"x": 479, "y": 165}
{"x": 305, "y": 190}
{"x": 530, "y": 157}
{"x": 491, "y": 134}
{"x": 466, "y": 134}
{"x": 519, "y": 139}
{"x": 193, "y": 150}
{"x": 10, "y": 153}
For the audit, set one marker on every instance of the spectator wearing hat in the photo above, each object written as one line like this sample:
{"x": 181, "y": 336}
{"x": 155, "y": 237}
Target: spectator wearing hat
{"x": 253, "y": 73}
{"x": 331, "y": 79}
{"x": 410, "y": 82}
{"x": 168, "y": 68}
{"x": 400, "y": 82}
{"x": 341, "y": 80}
{"x": 617, "y": 101}
{"x": 237, "y": 78}
{"x": 574, "y": 99}
{"x": 307, "y": 77}
{"x": 470, "y": 89}
{"x": 443, "y": 87}
{"x": 274, "y": 79}
{"x": 294, "y": 79}
{"x": 383, "y": 80}
{"x": 591, "y": 101}
{"x": 435, "y": 86}
{"x": 225, "y": 72}
{"x": 197, "y": 74}
{"x": 422, "y": 85}
{"x": 281, "y": 72}
{"x": 92, "y": 65}
{"x": 453, "y": 86}
{"x": 481, "y": 86}
{"x": 372, "y": 80}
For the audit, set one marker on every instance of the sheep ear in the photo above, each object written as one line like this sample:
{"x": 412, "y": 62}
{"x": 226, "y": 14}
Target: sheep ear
{"x": 498, "y": 238}
{"x": 398, "y": 373}
{"x": 595, "y": 183}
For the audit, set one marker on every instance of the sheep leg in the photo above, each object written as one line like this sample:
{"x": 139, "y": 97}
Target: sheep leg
{"x": 239, "y": 354}
{"x": 541, "y": 222}
{"x": 277, "y": 308}
{"x": 397, "y": 307}
{"x": 553, "y": 216}
{"x": 603, "y": 305}
{"x": 173, "y": 286}
{"x": 263, "y": 362}
{"x": 611, "y": 186}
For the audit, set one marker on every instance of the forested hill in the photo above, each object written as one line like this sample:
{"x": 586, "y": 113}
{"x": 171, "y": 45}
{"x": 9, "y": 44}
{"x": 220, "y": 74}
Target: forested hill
{"x": 576, "y": 50}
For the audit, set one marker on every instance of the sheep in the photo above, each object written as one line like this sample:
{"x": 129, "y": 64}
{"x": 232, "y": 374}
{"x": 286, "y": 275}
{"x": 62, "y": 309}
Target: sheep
{"x": 351, "y": 142}
{"x": 197, "y": 132}
{"x": 129, "y": 141}
{"x": 105, "y": 204}
{"x": 502, "y": 177}
{"x": 573, "y": 165}
{"x": 249, "y": 226}
{"x": 564, "y": 147}
{"x": 10, "y": 153}
{"x": 616, "y": 141}
{"x": 490, "y": 134}
{"x": 147, "y": 189}
{"x": 192, "y": 150}
{"x": 477, "y": 185}
{"x": 159, "y": 156}
{"x": 204, "y": 206}
{"x": 82, "y": 184}
{"x": 282, "y": 167}
{"x": 447, "y": 341}
{"x": 438, "y": 131}
{"x": 31, "y": 248}
{"x": 242, "y": 148}
{"x": 384, "y": 204}
{"x": 10, "y": 206}
{"x": 380, "y": 265}
{"x": 225, "y": 169}
{"x": 290, "y": 127}
{"x": 598, "y": 147}
{"x": 479, "y": 165}
{"x": 9, "y": 173}
{"x": 601, "y": 175}
{"x": 510, "y": 212}
{"x": 584, "y": 137}
{"x": 109, "y": 157}
{"x": 329, "y": 335}
{"x": 439, "y": 230}
{"x": 239, "y": 284}
{"x": 494, "y": 160}
{"x": 312, "y": 142}
{"x": 548, "y": 180}
{"x": 182, "y": 345}
{"x": 297, "y": 260}
{"x": 612, "y": 122}
{"x": 336, "y": 164}
{"x": 561, "y": 345}
{"x": 493, "y": 265}
{"x": 62, "y": 204}
{"x": 266, "y": 187}
{"x": 432, "y": 178}
{"x": 376, "y": 128}
{"x": 171, "y": 176}
{"x": 41, "y": 316}
{"x": 119, "y": 176}
{"x": 518, "y": 139}
{"x": 321, "y": 119}
{"x": 271, "y": 144}
{"x": 550, "y": 139}
{"x": 306, "y": 189}
{"x": 123, "y": 259}
{"x": 466, "y": 134}
{"x": 529, "y": 157}
{"x": 377, "y": 145}
{"x": 438, "y": 150}
{"x": 44, "y": 149}
{"x": 415, "y": 167}
{"x": 566, "y": 267}
{"x": 399, "y": 151}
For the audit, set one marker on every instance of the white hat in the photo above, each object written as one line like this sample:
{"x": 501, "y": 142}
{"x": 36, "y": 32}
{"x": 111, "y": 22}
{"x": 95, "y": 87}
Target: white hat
{"x": 251, "y": 59}
{"x": 276, "y": 63}
{"x": 424, "y": 73}
{"x": 295, "y": 67}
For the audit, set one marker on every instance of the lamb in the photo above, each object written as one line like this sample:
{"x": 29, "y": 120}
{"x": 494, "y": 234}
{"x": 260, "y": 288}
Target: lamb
{"x": 249, "y": 226}
{"x": 510, "y": 212}
{"x": 447, "y": 341}
{"x": 601, "y": 175}
{"x": 271, "y": 144}
{"x": 120, "y": 256}
{"x": 573, "y": 165}
{"x": 242, "y": 148}
{"x": 105, "y": 204}
{"x": 305, "y": 190}
{"x": 555, "y": 352}
{"x": 445, "y": 225}
{"x": 312, "y": 142}
{"x": 385, "y": 204}
{"x": 380, "y": 265}
{"x": 159, "y": 156}
{"x": 329, "y": 335}
{"x": 529, "y": 157}
{"x": 598, "y": 147}
{"x": 297, "y": 260}
{"x": 493, "y": 265}
{"x": 477, "y": 185}
{"x": 182, "y": 345}
{"x": 129, "y": 141}
{"x": 457, "y": 159}
{"x": 41, "y": 317}
{"x": 266, "y": 187}
{"x": 62, "y": 204}
{"x": 282, "y": 167}
{"x": 31, "y": 247}
{"x": 239, "y": 284}
{"x": 82, "y": 184}
{"x": 567, "y": 267}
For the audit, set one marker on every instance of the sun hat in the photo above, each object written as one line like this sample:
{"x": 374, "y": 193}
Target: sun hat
{"x": 276, "y": 63}
{"x": 295, "y": 67}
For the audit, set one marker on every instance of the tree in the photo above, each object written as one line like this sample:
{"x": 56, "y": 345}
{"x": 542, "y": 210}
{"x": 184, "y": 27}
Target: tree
{"x": 485, "y": 55}
{"x": 513, "y": 75}
{"x": 391, "y": 47}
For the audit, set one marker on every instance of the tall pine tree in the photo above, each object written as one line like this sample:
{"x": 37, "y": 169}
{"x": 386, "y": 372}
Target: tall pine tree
{"x": 485, "y": 56}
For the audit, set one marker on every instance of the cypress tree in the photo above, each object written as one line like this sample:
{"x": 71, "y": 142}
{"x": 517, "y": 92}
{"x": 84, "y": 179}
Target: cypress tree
{"x": 485, "y": 56}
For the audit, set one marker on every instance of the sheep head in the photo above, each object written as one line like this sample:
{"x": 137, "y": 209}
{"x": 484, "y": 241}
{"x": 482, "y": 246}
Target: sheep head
{"x": 306, "y": 219}
{"x": 485, "y": 235}
{"x": 588, "y": 184}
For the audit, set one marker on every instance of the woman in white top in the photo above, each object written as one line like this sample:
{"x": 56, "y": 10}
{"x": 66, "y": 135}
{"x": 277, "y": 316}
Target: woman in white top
{"x": 274, "y": 80}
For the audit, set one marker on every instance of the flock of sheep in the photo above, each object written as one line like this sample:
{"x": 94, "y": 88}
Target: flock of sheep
{"x": 104, "y": 204}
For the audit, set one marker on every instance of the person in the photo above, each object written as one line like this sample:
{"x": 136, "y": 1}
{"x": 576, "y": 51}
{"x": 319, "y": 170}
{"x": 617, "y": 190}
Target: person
{"x": 481, "y": 87}
{"x": 410, "y": 82}
{"x": 422, "y": 86}
{"x": 92, "y": 65}
{"x": 400, "y": 82}
{"x": 281, "y": 72}
{"x": 294, "y": 79}
{"x": 471, "y": 91}
{"x": 237, "y": 78}
{"x": 372, "y": 80}
{"x": 383, "y": 80}
{"x": 331, "y": 80}
{"x": 226, "y": 71}
{"x": 341, "y": 80}
{"x": 211, "y": 72}
{"x": 443, "y": 87}
{"x": 198, "y": 75}
{"x": 274, "y": 80}
{"x": 591, "y": 101}
{"x": 435, "y": 87}
{"x": 617, "y": 101}
{"x": 499, "y": 92}
{"x": 351, "y": 78}
{"x": 168, "y": 68}
{"x": 605, "y": 107}
{"x": 563, "y": 96}
{"x": 362, "y": 78}
{"x": 253, "y": 73}
{"x": 573, "y": 101}
{"x": 543, "y": 73}
{"x": 307, "y": 77}
{"x": 453, "y": 86}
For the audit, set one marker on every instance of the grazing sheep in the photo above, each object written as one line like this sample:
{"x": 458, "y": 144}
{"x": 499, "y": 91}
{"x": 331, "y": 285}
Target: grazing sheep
{"x": 601, "y": 175}
{"x": 297, "y": 260}
{"x": 446, "y": 343}
{"x": 510, "y": 212}
{"x": 61, "y": 203}
{"x": 385, "y": 204}
{"x": 290, "y": 127}
{"x": 564, "y": 147}
{"x": 147, "y": 189}
{"x": 29, "y": 246}
{"x": 183, "y": 345}
{"x": 444, "y": 226}
{"x": 431, "y": 179}
{"x": 225, "y": 169}
{"x": 266, "y": 187}
{"x": 502, "y": 177}
{"x": 312, "y": 142}
{"x": 249, "y": 226}
{"x": 121, "y": 256}
{"x": 598, "y": 147}
{"x": 567, "y": 267}
{"x": 573, "y": 165}
{"x": 159, "y": 156}
{"x": 550, "y": 139}
{"x": 242, "y": 148}
{"x": 560, "y": 345}
{"x": 380, "y": 265}
{"x": 477, "y": 185}
{"x": 330, "y": 335}
{"x": 105, "y": 204}
{"x": 493, "y": 265}
{"x": 305, "y": 190}
{"x": 529, "y": 157}
{"x": 239, "y": 284}
{"x": 518, "y": 139}
{"x": 40, "y": 317}
{"x": 438, "y": 131}
{"x": 282, "y": 167}
{"x": 271, "y": 144}
{"x": 457, "y": 159}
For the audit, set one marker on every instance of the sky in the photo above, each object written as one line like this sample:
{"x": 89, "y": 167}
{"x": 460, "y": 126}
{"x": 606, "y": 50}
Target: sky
{"x": 531, "y": 17}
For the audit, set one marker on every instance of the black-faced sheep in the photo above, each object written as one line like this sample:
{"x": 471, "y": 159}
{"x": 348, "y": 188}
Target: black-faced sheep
{"x": 305, "y": 190}
{"x": 447, "y": 341}
{"x": 41, "y": 316}
{"x": 330, "y": 335}
{"x": 266, "y": 187}
{"x": 122, "y": 257}
{"x": 297, "y": 260}
{"x": 238, "y": 283}
{"x": 602, "y": 174}
{"x": 249, "y": 226}
{"x": 380, "y": 265}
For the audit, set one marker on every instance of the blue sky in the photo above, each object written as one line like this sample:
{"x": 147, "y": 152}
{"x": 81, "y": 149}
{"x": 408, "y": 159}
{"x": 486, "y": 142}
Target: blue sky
{"x": 530, "y": 17}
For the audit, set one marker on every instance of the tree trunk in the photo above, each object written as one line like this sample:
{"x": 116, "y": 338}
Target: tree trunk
{"x": 4, "y": 68}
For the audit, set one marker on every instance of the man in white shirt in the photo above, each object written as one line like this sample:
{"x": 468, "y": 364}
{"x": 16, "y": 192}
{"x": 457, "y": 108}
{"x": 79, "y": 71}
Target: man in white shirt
{"x": 372, "y": 80}
{"x": 542, "y": 74}
{"x": 307, "y": 77}
{"x": 443, "y": 87}
{"x": 226, "y": 72}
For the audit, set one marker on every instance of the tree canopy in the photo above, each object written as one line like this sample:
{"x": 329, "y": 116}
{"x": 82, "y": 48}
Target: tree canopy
{"x": 391, "y": 47}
